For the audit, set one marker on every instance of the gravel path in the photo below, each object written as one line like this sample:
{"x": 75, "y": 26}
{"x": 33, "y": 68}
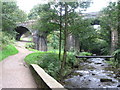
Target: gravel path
{"x": 15, "y": 73}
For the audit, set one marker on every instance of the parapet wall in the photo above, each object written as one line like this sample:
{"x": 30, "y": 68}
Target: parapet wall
{"x": 44, "y": 80}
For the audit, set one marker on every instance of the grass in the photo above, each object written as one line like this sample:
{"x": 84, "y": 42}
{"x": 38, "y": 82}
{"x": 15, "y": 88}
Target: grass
{"x": 7, "y": 51}
{"x": 33, "y": 58}
{"x": 110, "y": 62}
{"x": 47, "y": 60}
{"x": 50, "y": 63}
{"x": 50, "y": 51}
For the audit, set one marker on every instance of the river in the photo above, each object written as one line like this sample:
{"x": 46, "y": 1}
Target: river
{"x": 93, "y": 74}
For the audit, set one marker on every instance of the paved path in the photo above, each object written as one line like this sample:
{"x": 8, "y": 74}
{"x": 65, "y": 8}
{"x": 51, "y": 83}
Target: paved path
{"x": 15, "y": 73}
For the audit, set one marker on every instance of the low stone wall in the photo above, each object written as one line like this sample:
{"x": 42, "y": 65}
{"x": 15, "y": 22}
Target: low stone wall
{"x": 44, "y": 80}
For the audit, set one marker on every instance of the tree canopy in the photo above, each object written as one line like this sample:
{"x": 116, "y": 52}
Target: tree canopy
{"x": 10, "y": 15}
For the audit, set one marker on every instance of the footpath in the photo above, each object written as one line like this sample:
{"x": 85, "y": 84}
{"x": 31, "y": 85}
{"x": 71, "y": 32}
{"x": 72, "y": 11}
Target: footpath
{"x": 14, "y": 72}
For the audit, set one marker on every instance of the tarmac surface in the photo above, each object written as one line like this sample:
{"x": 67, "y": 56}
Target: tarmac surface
{"x": 14, "y": 72}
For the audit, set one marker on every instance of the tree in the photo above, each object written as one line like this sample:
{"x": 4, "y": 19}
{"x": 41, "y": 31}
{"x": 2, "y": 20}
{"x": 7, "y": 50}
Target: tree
{"x": 8, "y": 22}
{"x": 68, "y": 13}
{"x": 58, "y": 16}
{"x": 45, "y": 24}
{"x": 118, "y": 6}
{"x": 11, "y": 14}
{"x": 110, "y": 16}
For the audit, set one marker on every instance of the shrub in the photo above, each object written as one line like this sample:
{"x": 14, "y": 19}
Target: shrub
{"x": 71, "y": 59}
{"x": 5, "y": 39}
{"x": 116, "y": 55}
{"x": 85, "y": 54}
{"x": 49, "y": 62}
{"x": 30, "y": 45}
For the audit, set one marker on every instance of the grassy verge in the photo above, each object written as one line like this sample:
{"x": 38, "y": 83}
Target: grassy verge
{"x": 50, "y": 63}
{"x": 7, "y": 51}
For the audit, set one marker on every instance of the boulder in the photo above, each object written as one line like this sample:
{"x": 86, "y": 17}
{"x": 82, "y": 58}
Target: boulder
{"x": 102, "y": 65}
{"x": 118, "y": 85}
{"x": 93, "y": 74}
{"x": 98, "y": 63}
{"x": 76, "y": 66}
{"x": 105, "y": 80}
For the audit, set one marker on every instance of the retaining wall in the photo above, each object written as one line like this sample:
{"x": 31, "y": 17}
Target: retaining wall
{"x": 44, "y": 80}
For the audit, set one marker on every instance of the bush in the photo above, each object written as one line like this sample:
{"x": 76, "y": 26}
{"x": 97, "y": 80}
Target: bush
{"x": 30, "y": 45}
{"x": 49, "y": 62}
{"x": 116, "y": 55}
{"x": 85, "y": 54}
{"x": 5, "y": 39}
{"x": 99, "y": 47}
{"x": 71, "y": 59}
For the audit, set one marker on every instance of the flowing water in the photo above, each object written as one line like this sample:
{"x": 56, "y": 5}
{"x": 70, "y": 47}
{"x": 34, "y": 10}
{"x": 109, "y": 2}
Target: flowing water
{"x": 92, "y": 74}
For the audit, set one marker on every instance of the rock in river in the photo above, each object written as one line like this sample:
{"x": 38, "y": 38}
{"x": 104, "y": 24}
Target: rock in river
{"x": 98, "y": 63}
{"x": 105, "y": 80}
{"x": 118, "y": 86}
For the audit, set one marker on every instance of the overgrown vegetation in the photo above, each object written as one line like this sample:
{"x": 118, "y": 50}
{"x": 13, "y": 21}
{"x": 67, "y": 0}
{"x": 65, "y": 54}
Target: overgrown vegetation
{"x": 30, "y": 45}
{"x": 116, "y": 60}
{"x": 5, "y": 39}
{"x": 11, "y": 15}
{"x": 49, "y": 61}
{"x": 7, "y": 51}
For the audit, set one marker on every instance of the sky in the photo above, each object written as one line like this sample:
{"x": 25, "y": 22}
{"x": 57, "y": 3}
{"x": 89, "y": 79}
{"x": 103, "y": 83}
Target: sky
{"x": 27, "y": 5}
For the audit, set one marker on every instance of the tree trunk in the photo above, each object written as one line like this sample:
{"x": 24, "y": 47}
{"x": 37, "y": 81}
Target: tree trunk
{"x": 65, "y": 39}
{"x": 118, "y": 24}
{"x": 43, "y": 43}
{"x": 114, "y": 40}
{"x": 60, "y": 38}
{"x": 119, "y": 37}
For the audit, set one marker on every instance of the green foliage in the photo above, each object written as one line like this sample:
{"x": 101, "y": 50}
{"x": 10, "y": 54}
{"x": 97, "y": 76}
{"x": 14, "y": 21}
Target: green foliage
{"x": 53, "y": 40}
{"x": 99, "y": 46}
{"x": 111, "y": 15}
{"x": 109, "y": 23}
{"x": 20, "y": 16}
{"x": 10, "y": 15}
{"x": 116, "y": 55}
{"x": 7, "y": 51}
{"x": 85, "y": 54}
{"x": 49, "y": 61}
{"x": 71, "y": 59}
{"x": 5, "y": 39}
{"x": 116, "y": 60}
{"x": 45, "y": 16}
{"x": 30, "y": 45}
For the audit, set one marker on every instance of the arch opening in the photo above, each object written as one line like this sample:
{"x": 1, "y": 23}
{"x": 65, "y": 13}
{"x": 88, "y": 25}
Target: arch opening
{"x": 20, "y": 31}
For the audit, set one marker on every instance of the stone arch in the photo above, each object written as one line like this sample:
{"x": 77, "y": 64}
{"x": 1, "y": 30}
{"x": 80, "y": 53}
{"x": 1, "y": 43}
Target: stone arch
{"x": 20, "y": 31}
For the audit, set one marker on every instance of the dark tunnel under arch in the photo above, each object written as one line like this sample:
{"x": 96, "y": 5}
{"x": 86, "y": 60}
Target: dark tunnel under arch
{"x": 96, "y": 22}
{"x": 20, "y": 31}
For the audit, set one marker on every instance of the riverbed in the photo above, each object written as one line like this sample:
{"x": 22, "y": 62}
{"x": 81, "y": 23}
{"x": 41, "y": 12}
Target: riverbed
{"x": 93, "y": 74}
